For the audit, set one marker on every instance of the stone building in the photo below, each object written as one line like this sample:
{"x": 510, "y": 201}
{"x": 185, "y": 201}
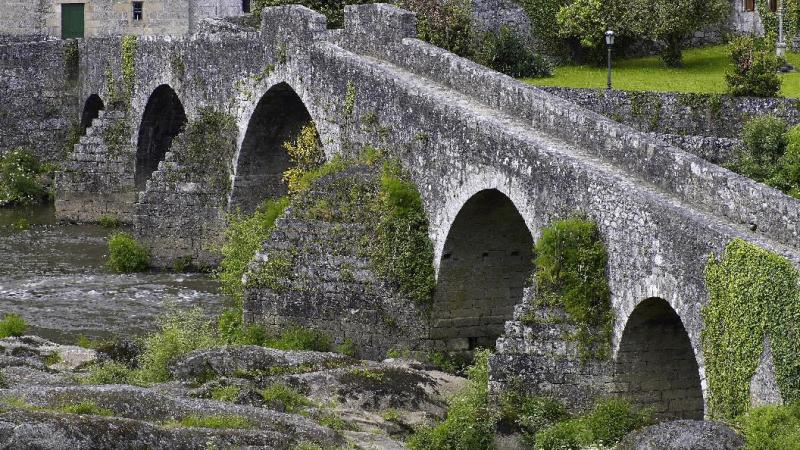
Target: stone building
{"x": 93, "y": 18}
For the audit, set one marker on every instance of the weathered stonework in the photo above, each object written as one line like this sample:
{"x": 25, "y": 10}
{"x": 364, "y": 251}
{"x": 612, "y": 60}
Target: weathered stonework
{"x": 463, "y": 132}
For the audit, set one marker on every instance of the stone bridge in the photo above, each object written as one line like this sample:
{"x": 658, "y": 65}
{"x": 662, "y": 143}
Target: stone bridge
{"x": 494, "y": 159}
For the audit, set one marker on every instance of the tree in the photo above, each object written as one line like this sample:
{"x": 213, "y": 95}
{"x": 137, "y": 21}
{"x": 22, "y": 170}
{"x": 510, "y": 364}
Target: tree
{"x": 588, "y": 20}
{"x": 674, "y": 21}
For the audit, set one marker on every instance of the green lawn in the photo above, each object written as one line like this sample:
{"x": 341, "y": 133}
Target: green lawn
{"x": 703, "y": 72}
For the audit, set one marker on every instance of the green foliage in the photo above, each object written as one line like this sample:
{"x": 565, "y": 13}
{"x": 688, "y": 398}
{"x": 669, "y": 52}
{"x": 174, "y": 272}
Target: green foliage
{"x": 107, "y": 221}
{"x": 606, "y": 424}
{"x": 446, "y": 24}
{"x": 107, "y": 372}
{"x": 216, "y": 422}
{"x": 348, "y": 348}
{"x": 771, "y": 427}
{"x": 771, "y": 154}
{"x": 86, "y": 407}
{"x": 755, "y": 68}
{"x": 753, "y": 294}
{"x": 292, "y": 401}
{"x": 126, "y": 255}
{"x": 571, "y": 271}
{"x": 181, "y": 332}
{"x": 306, "y": 155}
{"x": 505, "y": 52}
{"x": 243, "y": 238}
{"x": 212, "y": 132}
{"x": 274, "y": 273}
{"x": 300, "y": 338}
{"x": 336, "y": 423}
{"x": 128, "y": 48}
{"x": 349, "y": 100}
{"x": 52, "y": 358}
{"x": 529, "y": 414}
{"x": 20, "y": 184}
{"x": 454, "y": 363}
{"x": 402, "y": 250}
{"x": 116, "y": 137}
{"x": 470, "y": 422}
{"x": 232, "y": 330}
{"x": 72, "y": 59}
{"x": 225, "y": 393}
{"x": 12, "y": 325}
{"x": 544, "y": 24}
{"x": 21, "y": 224}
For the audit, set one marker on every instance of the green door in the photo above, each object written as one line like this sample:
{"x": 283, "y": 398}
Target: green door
{"x": 71, "y": 20}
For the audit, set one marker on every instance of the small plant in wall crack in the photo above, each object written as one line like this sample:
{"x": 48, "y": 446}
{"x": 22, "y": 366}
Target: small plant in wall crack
{"x": 349, "y": 100}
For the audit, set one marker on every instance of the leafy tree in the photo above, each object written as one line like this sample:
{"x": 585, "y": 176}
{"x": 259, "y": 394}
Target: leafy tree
{"x": 755, "y": 68}
{"x": 674, "y": 21}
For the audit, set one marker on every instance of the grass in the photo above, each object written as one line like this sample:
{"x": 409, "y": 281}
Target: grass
{"x": 703, "y": 72}
{"x": 292, "y": 400}
{"x": 12, "y": 325}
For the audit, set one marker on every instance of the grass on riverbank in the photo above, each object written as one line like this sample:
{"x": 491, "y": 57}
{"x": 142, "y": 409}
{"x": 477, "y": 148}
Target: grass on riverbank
{"x": 703, "y": 72}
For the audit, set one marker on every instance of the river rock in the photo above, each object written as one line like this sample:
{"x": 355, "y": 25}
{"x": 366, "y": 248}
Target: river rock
{"x": 684, "y": 435}
{"x": 41, "y": 351}
{"x": 251, "y": 361}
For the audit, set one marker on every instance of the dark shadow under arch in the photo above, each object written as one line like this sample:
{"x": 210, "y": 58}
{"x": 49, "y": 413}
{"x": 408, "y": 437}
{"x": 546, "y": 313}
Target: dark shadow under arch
{"x": 163, "y": 119}
{"x": 656, "y": 365}
{"x": 91, "y": 110}
{"x": 278, "y": 117}
{"x": 486, "y": 262}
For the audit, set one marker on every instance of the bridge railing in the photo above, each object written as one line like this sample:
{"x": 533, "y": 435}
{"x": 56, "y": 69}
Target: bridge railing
{"x": 386, "y": 32}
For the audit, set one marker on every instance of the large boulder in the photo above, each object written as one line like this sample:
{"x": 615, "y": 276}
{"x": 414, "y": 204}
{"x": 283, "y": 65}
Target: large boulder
{"x": 684, "y": 435}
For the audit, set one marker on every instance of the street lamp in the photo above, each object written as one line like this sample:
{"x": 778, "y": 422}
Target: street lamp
{"x": 609, "y": 44}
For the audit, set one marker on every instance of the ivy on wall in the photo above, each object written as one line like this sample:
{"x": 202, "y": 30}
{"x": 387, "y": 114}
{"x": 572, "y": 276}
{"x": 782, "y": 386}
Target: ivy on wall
{"x": 571, "y": 262}
{"x": 753, "y": 293}
{"x": 791, "y": 19}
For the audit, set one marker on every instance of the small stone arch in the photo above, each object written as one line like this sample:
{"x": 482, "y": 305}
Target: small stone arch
{"x": 656, "y": 366}
{"x": 278, "y": 117}
{"x": 485, "y": 264}
{"x": 91, "y": 110}
{"x": 164, "y": 118}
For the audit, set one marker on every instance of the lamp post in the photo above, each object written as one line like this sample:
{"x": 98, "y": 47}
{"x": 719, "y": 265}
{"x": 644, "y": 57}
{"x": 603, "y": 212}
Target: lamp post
{"x": 780, "y": 47}
{"x": 609, "y": 44}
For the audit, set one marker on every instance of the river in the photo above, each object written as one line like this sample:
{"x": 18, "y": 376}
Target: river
{"x": 54, "y": 276}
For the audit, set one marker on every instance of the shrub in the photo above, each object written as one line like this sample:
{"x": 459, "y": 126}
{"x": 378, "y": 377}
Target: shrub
{"x": 109, "y": 221}
{"x": 291, "y": 400}
{"x": 505, "y": 52}
{"x": 20, "y": 171}
{"x": 770, "y": 154}
{"x": 771, "y": 427}
{"x": 217, "y": 422}
{"x": 12, "y": 325}
{"x": 530, "y": 414}
{"x": 306, "y": 154}
{"x": 300, "y": 338}
{"x": 243, "y": 238}
{"x": 181, "y": 332}
{"x": 571, "y": 271}
{"x": 348, "y": 348}
{"x": 107, "y": 372}
{"x": 126, "y": 255}
{"x": 569, "y": 434}
{"x": 470, "y": 422}
{"x": 790, "y": 163}
{"x": 755, "y": 68}
{"x": 446, "y": 24}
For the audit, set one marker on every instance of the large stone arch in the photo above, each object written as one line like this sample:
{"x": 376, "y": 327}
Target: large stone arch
{"x": 655, "y": 363}
{"x": 91, "y": 110}
{"x": 278, "y": 116}
{"x": 164, "y": 118}
{"x": 485, "y": 263}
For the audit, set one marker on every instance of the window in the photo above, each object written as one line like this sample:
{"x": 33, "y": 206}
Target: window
{"x": 749, "y": 5}
{"x": 137, "y": 10}
{"x": 245, "y": 6}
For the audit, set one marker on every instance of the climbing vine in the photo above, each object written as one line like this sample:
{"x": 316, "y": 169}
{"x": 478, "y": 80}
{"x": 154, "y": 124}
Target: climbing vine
{"x": 570, "y": 272}
{"x": 211, "y": 133}
{"x": 754, "y": 294}
{"x": 349, "y": 100}
{"x": 128, "y": 53}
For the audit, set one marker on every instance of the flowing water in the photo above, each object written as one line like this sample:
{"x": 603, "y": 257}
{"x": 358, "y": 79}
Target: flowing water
{"x": 53, "y": 275}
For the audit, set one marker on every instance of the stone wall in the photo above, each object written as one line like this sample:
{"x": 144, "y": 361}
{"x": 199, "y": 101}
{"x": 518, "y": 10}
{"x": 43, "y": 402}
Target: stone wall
{"x": 22, "y": 18}
{"x": 39, "y": 91}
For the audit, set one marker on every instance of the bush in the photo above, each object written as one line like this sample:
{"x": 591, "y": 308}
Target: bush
{"x": 470, "y": 422}
{"x": 569, "y": 434}
{"x": 181, "y": 332}
{"x": 107, "y": 372}
{"x": 126, "y": 255}
{"x": 505, "y": 52}
{"x": 771, "y": 427}
{"x": 446, "y": 24}
{"x": 300, "y": 338}
{"x": 109, "y": 221}
{"x": 20, "y": 184}
{"x": 755, "y": 68}
{"x": 771, "y": 154}
{"x": 12, "y": 325}
{"x": 530, "y": 414}
{"x": 571, "y": 271}
{"x": 306, "y": 155}
{"x": 291, "y": 400}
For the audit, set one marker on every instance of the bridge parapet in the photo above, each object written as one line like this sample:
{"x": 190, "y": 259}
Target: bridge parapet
{"x": 291, "y": 25}
{"x": 375, "y": 28}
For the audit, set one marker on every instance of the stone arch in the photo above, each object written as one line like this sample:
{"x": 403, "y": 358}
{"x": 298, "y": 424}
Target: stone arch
{"x": 485, "y": 264}
{"x": 279, "y": 116}
{"x": 163, "y": 119}
{"x": 91, "y": 110}
{"x": 656, "y": 366}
